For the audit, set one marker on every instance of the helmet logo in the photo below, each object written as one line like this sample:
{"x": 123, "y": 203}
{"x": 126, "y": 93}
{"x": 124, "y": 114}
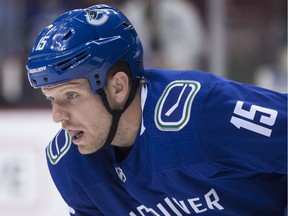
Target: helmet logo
{"x": 96, "y": 17}
{"x": 36, "y": 70}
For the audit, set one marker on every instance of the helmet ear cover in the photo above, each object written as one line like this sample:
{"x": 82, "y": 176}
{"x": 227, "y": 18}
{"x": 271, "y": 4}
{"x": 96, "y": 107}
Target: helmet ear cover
{"x": 74, "y": 47}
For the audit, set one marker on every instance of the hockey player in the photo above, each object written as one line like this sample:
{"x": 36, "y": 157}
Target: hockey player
{"x": 152, "y": 141}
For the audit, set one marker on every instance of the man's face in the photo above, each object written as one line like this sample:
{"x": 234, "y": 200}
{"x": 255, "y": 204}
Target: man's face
{"x": 81, "y": 114}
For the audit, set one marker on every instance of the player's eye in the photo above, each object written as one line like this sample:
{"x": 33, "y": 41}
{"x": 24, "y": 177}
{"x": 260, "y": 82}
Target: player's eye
{"x": 71, "y": 95}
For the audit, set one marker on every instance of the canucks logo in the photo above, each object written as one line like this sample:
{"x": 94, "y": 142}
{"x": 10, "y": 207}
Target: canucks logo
{"x": 173, "y": 109}
{"x": 58, "y": 147}
{"x": 96, "y": 17}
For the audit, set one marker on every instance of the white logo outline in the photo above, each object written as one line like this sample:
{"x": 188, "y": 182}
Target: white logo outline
{"x": 55, "y": 158}
{"x": 176, "y": 126}
{"x": 92, "y": 17}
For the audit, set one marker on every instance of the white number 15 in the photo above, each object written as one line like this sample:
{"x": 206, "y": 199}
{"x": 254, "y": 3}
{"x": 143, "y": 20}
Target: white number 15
{"x": 249, "y": 115}
{"x": 42, "y": 43}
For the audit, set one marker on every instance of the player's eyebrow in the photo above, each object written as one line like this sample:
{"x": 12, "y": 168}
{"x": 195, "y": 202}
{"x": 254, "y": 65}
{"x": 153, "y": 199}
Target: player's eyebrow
{"x": 72, "y": 84}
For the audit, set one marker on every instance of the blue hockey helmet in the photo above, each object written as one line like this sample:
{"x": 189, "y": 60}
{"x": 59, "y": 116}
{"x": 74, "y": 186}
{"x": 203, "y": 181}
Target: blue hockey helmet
{"x": 84, "y": 43}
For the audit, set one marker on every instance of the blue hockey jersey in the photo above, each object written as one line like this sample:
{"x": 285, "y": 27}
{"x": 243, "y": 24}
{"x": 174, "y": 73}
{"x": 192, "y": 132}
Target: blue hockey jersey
{"x": 207, "y": 146}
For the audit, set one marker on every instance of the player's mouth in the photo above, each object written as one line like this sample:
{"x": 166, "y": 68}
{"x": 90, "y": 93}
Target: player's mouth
{"x": 76, "y": 135}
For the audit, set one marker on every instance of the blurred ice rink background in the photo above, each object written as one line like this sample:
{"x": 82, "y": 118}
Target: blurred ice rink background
{"x": 242, "y": 40}
{"x": 25, "y": 184}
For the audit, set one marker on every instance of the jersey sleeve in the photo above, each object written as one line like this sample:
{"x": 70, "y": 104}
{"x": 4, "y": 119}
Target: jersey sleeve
{"x": 87, "y": 183}
{"x": 63, "y": 161}
{"x": 244, "y": 127}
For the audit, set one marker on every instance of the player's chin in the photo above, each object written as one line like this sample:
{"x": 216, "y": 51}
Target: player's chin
{"x": 87, "y": 149}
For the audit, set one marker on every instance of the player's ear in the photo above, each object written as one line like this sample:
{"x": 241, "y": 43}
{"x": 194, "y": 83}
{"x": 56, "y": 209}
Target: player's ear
{"x": 118, "y": 88}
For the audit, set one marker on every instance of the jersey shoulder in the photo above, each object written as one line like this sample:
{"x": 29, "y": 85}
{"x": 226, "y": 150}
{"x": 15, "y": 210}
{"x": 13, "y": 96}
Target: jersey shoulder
{"x": 70, "y": 169}
{"x": 85, "y": 182}
{"x": 200, "y": 108}
{"x": 58, "y": 147}
{"x": 174, "y": 98}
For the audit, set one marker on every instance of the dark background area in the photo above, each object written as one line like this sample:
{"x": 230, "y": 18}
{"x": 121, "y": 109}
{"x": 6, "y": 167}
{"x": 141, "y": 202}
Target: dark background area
{"x": 240, "y": 39}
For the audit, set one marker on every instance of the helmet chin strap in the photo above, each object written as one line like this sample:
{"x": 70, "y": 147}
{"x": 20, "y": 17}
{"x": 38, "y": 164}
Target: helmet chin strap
{"x": 116, "y": 114}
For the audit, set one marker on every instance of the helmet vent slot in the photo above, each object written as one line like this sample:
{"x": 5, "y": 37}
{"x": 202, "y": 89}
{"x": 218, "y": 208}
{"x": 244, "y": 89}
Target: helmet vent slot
{"x": 129, "y": 27}
{"x": 72, "y": 61}
{"x": 68, "y": 34}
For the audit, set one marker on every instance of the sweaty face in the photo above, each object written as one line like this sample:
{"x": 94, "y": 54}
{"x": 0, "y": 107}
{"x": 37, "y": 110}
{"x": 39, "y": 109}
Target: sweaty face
{"x": 81, "y": 114}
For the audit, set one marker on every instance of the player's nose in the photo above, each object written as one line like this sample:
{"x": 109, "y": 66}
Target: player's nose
{"x": 59, "y": 114}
